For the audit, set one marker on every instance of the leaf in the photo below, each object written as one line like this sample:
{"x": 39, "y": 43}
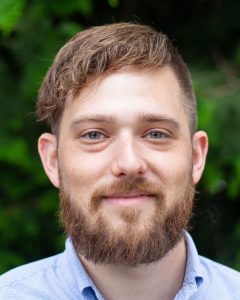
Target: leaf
{"x": 11, "y": 11}
{"x": 65, "y": 7}
{"x": 113, "y": 3}
{"x": 15, "y": 152}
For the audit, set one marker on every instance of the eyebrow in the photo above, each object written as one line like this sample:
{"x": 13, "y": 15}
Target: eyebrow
{"x": 98, "y": 118}
{"x": 142, "y": 117}
{"x": 153, "y": 118}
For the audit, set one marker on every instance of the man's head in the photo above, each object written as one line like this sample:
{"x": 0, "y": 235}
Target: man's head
{"x": 126, "y": 156}
{"x": 100, "y": 51}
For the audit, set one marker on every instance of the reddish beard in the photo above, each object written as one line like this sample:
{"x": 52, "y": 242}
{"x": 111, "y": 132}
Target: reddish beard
{"x": 98, "y": 242}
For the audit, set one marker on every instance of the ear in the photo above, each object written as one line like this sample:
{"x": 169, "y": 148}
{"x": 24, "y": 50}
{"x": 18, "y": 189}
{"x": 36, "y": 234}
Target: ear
{"x": 47, "y": 148}
{"x": 200, "y": 148}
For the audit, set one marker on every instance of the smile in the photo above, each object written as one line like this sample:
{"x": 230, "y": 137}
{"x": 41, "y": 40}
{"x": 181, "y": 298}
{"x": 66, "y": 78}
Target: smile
{"x": 129, "y": 199}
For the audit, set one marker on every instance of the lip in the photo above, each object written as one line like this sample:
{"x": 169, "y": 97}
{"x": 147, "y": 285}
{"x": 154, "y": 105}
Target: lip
{"x": 129, "y": 199}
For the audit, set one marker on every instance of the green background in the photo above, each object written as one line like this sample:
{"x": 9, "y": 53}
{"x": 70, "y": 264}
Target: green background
{"x": 206, "y": 32}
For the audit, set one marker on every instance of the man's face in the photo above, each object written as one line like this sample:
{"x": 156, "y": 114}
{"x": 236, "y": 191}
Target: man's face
{"x": 126, "y": 167}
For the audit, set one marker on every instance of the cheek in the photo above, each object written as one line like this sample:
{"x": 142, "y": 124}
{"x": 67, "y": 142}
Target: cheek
{"x": 82, "y": 169}
{"x": 78, "y": 179}
{"x": 172, "y": 168}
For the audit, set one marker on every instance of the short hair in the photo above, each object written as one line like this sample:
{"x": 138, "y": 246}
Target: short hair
{"x": 102, "y": 50}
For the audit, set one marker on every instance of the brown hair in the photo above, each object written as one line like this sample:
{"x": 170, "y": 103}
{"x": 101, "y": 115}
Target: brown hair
{"x": 102, "y": 50}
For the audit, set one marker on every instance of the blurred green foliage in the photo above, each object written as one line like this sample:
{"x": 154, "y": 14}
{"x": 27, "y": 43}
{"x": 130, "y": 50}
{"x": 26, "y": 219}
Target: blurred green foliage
{"x": 207, "y": 33}
{"x": 11, "y": 11}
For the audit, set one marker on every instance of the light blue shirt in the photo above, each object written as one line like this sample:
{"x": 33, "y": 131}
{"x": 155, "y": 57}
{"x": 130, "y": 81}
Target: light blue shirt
{"x": 62, "y": 277}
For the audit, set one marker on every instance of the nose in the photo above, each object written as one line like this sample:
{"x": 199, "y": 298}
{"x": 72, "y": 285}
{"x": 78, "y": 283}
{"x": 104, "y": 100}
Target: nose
{"x": 128, "y": 161}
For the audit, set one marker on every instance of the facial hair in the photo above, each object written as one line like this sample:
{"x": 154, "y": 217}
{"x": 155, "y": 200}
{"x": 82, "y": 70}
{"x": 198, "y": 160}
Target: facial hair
{"x": 95, "y": 239}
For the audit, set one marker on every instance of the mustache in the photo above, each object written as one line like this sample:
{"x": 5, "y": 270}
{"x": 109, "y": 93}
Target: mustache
{"x": 140, "y": 185}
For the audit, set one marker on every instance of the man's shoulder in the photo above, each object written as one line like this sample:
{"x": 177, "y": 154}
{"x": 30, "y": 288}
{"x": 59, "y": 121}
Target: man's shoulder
{"x": 29, "y": 270}
{"x": 221, "y": 279}
{"x": 36, "y": 276}
{"x": 218, "y": 269}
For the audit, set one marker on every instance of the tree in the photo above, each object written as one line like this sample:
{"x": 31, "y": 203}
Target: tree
{"x": 31, "y": 34}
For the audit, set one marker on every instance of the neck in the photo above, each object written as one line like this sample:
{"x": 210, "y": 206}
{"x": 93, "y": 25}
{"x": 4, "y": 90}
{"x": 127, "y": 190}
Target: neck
{"x": 159, "y": 280}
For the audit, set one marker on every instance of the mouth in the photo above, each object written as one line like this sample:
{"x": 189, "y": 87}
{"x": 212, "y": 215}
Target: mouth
{"x": 129, "y": 199}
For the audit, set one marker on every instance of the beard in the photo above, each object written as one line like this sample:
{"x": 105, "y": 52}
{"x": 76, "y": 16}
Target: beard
{"x": 96, "y": 239}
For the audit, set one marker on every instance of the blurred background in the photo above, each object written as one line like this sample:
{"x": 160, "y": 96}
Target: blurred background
{"x": 207, "y": 33}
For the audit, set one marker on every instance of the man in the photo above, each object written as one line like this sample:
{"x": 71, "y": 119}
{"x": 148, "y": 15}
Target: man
{"x": 125, "y": 154}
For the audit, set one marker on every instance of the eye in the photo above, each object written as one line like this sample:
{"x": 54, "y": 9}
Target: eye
{"x": 93, "y": 135}
{"x": 156, "y": 134}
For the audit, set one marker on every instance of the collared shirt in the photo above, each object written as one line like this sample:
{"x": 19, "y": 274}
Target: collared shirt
{"x": 63, "y": 277}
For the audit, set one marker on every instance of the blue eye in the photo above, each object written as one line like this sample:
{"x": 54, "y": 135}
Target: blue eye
{"x": 94, "y": 135}
{"x": 155, "y": 134}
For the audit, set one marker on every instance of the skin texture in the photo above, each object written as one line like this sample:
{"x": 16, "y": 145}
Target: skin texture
{"x": 125, "y": 126}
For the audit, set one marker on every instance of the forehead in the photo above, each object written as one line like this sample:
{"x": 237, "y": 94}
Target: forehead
{"x": 128, "y": 93}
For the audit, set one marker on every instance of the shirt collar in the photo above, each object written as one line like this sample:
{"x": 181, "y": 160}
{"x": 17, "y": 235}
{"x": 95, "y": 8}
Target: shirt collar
{"x": 193, "y": 271}
{"x": 77, "y": 277}
{"x": 79, "y": 281}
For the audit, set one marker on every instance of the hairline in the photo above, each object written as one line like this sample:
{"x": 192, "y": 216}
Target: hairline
{"x": 55, "y": 126}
